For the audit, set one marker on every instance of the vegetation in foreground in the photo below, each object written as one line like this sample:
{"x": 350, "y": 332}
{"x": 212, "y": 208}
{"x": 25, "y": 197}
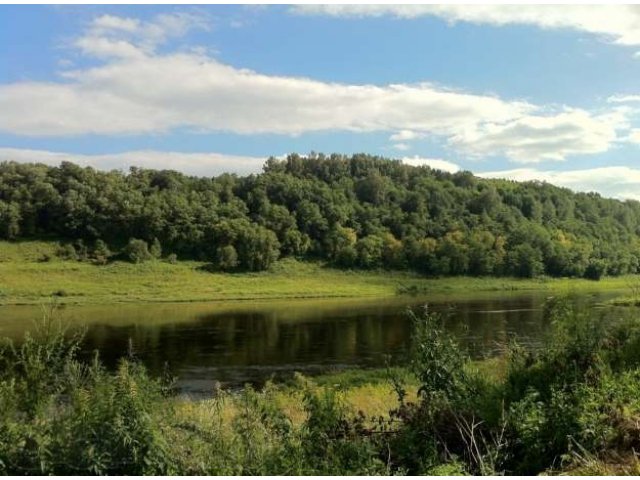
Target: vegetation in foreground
{"x": 571, "y": 406}
{"x": 31, "y": 273}
{"x": 361, "y": 212}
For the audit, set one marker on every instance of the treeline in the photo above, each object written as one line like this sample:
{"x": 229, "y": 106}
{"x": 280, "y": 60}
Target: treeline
{"x": 355, "y": 212}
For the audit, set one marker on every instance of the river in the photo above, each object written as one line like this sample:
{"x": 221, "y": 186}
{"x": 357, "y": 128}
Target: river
{"x": 240, "y": 342}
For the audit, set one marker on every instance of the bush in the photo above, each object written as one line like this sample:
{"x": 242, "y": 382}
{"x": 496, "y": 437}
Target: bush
{"x": 137, "y": 251}
{"x": 101, "y": 253}
{"x": 334, "y": 440}
{"x": 436, "y": 359}
{"x": 156, "y": 249}
{"x": 595, "y": 270}
{"x": 59, "y": 416}
{"x": 67, "y": 252}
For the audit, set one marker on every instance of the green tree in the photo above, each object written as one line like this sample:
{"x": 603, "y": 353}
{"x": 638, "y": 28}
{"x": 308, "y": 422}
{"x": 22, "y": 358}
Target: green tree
{"x": 525, "y": 261}
{"x": 226, "y": 258}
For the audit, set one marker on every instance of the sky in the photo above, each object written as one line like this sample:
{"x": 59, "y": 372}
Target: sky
{"x": 542, "y": 92}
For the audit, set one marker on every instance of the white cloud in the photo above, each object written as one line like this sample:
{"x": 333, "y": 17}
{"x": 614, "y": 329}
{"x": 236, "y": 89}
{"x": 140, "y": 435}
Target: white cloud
{"x": 618, "y": 182}
{"x": 404, "y": 135}
{"x": 401, "y": 146}
{"x": 139, "y": 91}
{"x": 532, "y": 139}
{"x": 110, "y": 22}
{"x": 156, "y": 93}
{"x": 623, "y": 98}
{"x": 436, "y": 163}
{"x": 120, "y": 37}
{"x": 618, "y": 23}
{"x": 203, "y": 164}
{"x": 634, "y": 136}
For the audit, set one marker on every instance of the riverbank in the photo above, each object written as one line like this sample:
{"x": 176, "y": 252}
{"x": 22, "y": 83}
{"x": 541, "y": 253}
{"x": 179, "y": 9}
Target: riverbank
{"x": 31, "y": 273}
{"x": 572, "y": 407}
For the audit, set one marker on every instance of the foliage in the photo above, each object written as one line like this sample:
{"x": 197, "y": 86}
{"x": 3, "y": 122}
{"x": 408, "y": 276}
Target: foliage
{"x": 357, "y": 212}
{"x": 63, "y": 417}
{"x": 137, "y": 251}
{"x": 572, "y": 404}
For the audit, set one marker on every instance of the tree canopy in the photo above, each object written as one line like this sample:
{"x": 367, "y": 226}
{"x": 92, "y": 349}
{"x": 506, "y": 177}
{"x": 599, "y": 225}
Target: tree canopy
{"x": 360, "y": 211}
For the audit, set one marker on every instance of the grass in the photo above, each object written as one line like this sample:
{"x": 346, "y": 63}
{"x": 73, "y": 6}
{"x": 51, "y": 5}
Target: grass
{"x": 31, "y": 273}
{"x": 368, "y": 391}
{"x": 570, "y": 408}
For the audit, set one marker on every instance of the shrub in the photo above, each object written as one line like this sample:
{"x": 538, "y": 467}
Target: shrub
{"x": 137, "y": 251}
{"x": 156, "y": 249}
{"x": 436, "y": 358}
{"x": 334, "y": 440}
{"x": 595, "y": 270}
{"x": 81, "y": 249}
{"x": 67, "y": 252}
{"x": 59, "y": 416}
{"x": 101, "y": 252}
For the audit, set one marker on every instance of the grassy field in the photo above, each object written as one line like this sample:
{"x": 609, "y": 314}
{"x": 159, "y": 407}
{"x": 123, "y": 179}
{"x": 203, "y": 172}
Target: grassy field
{"x": 31, "y": 273}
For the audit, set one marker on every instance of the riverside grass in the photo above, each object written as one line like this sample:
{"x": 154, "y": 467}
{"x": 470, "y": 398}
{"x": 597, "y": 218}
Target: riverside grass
{"x": 31, "y": 273}
{"x": 572, "y": 407}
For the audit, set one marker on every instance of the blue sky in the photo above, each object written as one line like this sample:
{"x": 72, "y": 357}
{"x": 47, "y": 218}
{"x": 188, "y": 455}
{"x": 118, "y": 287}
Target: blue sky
{"x": 541, "y": 92}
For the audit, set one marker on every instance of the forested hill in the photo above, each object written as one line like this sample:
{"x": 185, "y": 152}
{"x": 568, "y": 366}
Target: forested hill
{"x": 355, "y": 212}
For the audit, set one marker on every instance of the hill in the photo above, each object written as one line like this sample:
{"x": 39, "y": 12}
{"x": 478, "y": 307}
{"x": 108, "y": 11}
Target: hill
{"x": 354, "y": 212}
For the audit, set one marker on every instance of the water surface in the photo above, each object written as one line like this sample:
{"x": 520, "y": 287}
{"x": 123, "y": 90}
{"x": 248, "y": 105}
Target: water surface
{"x": 242, "y": 342}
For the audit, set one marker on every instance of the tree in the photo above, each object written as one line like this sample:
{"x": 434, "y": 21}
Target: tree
{"x": 525, "y": 261}
{"x": 369, "y": 251}
{"x": 338, "y": 239}
{"x": 392, "y": 252}
{"x": 595, "y": 270}
{"x": 325, "y": 207}
{"x": 9, "y": 220}
{"x": 226, "y": 258}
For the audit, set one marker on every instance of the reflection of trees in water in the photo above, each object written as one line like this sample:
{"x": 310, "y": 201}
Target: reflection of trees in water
{"x": 221, "y": 340}
{"x": 236, "y": 342}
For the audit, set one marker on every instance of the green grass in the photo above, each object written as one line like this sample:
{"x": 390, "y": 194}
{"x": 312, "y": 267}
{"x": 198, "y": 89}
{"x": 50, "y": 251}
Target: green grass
{"x": 26, "y": 279}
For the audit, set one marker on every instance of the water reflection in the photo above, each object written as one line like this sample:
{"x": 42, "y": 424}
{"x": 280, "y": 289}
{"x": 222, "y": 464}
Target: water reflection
{"x": 242, "y": 343}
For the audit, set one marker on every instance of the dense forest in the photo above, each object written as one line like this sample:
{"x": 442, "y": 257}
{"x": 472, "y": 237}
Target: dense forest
{"x": 354, "y": 212}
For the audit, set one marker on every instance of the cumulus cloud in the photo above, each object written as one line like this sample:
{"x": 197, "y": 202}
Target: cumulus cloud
{"x": 202, "y": 164}
{"x": 136, "y": 90}
{"x": 160, "y": 92}
{"x": 436, "y": 163}
{"x": 618, "y": 182}
{"x": 623, "y": 99}
{"x": 617, "y": 23}
{"x": 404, "y": 135}
{"x": 532, "y": 139}
{"x": 121, "y": 37}
{"x": 634, "y": 136}
{"x": 401, "y": 146}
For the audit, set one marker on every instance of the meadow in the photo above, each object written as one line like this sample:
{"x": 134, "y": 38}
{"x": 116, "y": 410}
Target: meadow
{"x": 32, "y": 273}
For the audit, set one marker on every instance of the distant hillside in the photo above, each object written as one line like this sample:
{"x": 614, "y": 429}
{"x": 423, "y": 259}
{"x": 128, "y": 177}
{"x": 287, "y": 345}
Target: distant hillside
{"x": 355, "y": 212}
